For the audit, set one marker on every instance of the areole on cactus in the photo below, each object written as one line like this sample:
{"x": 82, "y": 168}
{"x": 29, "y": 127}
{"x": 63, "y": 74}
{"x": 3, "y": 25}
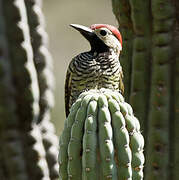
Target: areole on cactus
{"x": 101, "y": 139}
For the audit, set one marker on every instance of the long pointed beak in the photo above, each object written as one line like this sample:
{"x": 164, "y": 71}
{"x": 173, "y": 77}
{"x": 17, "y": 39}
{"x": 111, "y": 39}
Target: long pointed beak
{"x": 81, "y": 28}
{"x": 85, "y": 31}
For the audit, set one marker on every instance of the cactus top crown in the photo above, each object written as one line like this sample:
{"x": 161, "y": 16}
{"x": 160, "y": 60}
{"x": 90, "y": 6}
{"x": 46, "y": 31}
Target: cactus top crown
{"x": 101, "y": 139}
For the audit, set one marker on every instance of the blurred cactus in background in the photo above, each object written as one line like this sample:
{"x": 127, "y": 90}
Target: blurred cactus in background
{"x": 150, "y": 61}
{"x": 28, "y": 142}
{"x": 101, "y": 139}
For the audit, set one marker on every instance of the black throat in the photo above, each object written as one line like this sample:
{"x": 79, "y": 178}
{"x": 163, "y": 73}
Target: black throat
{"x": 97, "y": 45}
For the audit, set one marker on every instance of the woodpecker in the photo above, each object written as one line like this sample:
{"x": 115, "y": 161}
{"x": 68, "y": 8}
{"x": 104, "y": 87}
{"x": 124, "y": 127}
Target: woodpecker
{"x": 97, "y": 68}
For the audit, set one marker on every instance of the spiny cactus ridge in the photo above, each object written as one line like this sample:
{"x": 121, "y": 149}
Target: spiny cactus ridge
{"x": 43, "y": 63}
{"x": 101, "y": 139}
{"x": 27, "y": 149}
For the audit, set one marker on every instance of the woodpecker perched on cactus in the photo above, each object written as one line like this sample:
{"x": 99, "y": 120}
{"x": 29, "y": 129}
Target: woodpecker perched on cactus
{"x": 97, "y": 68}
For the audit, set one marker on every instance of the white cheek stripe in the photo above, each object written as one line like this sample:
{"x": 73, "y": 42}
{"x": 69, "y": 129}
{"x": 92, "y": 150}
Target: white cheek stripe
{"x": 118, "y": 44}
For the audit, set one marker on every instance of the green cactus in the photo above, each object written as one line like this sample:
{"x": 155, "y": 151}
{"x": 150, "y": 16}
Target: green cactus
{"x": 26, "y": 146}
{"x": 43, "y": 63}
{"x": 153, "y": 47}
{"x": 101, "y": 139}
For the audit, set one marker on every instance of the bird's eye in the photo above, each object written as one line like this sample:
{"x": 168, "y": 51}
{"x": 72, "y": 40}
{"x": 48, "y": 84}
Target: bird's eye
{"x": 103, "y": 32}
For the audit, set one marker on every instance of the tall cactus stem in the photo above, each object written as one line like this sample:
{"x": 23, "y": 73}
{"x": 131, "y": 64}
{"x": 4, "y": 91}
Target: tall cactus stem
{"x": 121, "y": 9}
{"x": 141, "y": 59}
{"x": 26, "y": 93}
{"x": 23, "y": 154}
{"x": 12, "y": 148}
{"x": 154, "y": 76}
{"x": 157, "y": 154}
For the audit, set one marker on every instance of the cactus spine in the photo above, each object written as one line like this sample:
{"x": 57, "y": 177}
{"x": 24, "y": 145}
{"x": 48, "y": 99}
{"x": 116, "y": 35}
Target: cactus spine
{"x": 154, "y": 88}
{"x": 101, "y": 139}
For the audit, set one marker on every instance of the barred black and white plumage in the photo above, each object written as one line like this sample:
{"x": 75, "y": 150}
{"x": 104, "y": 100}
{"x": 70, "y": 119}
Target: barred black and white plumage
{"x": 96, "y": 69}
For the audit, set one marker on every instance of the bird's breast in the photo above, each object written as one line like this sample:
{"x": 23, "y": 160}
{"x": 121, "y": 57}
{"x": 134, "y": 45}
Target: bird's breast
{"x": 95, "y": 72}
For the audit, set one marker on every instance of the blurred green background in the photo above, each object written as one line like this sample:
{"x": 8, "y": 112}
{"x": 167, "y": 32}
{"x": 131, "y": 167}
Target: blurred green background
{"x": 65, "y": 42}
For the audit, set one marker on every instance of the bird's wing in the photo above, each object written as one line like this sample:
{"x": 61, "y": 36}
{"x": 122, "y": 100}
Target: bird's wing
{"x": 67, "y": 92}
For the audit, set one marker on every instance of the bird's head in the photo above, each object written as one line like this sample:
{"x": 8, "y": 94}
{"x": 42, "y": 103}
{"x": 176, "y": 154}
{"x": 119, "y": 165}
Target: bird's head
{"x": 102, "y": 37}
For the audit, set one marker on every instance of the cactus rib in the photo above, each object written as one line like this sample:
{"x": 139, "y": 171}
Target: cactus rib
{"x": 176, "y": 105}
{"x": 21, "y": 58}
{"x": 121, "y": 140}
{"x": 50, "y": 142}
{"x": 141, "y": 59}
{"x": 89, "y": 162}
{"x": 42, "y": 58}
{"x": 65, "y": 138}
{"x": 43, "y": 64}
{"x": 106, "y": 147}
